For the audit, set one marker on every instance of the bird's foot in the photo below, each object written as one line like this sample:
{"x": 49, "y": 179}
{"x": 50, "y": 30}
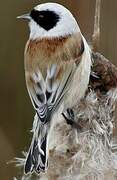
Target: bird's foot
{"x": 69, "y": 116}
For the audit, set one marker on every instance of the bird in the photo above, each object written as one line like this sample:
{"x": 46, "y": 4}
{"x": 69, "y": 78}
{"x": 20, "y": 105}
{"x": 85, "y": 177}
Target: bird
{"x": 57, "y": 63}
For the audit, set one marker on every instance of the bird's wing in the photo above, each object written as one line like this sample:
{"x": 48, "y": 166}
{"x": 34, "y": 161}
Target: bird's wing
{"x": 46, "y": 96}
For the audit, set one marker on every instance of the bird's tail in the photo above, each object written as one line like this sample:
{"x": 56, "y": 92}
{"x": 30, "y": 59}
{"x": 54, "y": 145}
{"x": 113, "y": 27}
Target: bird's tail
{"x": 38, "y": 152}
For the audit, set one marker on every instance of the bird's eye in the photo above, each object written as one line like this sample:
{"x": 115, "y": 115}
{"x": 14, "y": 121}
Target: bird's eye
{"x": 41, "y": 16}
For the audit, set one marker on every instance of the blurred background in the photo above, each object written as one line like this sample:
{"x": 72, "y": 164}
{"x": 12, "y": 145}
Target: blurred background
{"x": 15, "y": 107}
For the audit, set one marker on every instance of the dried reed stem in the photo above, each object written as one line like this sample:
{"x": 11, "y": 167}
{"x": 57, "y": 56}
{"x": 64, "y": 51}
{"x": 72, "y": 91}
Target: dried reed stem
{"x": 96, "y": 33}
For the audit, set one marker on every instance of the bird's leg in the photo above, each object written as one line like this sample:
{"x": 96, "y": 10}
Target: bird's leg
{"x": 69, "y": 116}
{"x": 70, "y": 119}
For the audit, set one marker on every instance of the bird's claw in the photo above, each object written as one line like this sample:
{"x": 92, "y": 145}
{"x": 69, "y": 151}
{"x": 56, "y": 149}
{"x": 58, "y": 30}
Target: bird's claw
{"x": 69, "y": 116}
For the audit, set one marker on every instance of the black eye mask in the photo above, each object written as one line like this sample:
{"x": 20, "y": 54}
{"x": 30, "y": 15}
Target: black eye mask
{"x": 46, "y": 19}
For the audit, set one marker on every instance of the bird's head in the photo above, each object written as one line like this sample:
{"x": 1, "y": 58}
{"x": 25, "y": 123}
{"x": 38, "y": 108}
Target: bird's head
{"x": 51, "y": 20}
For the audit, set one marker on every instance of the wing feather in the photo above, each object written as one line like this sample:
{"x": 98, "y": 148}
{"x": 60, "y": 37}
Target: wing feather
{"x": 46, "y": 96}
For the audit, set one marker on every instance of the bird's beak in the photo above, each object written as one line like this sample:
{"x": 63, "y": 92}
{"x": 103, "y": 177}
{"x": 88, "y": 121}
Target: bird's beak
{"x": 24, "y": 16}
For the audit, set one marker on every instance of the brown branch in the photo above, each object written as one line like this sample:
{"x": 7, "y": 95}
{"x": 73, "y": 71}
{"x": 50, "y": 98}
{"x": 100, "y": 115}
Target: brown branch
{"x": 96, "y": 33}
